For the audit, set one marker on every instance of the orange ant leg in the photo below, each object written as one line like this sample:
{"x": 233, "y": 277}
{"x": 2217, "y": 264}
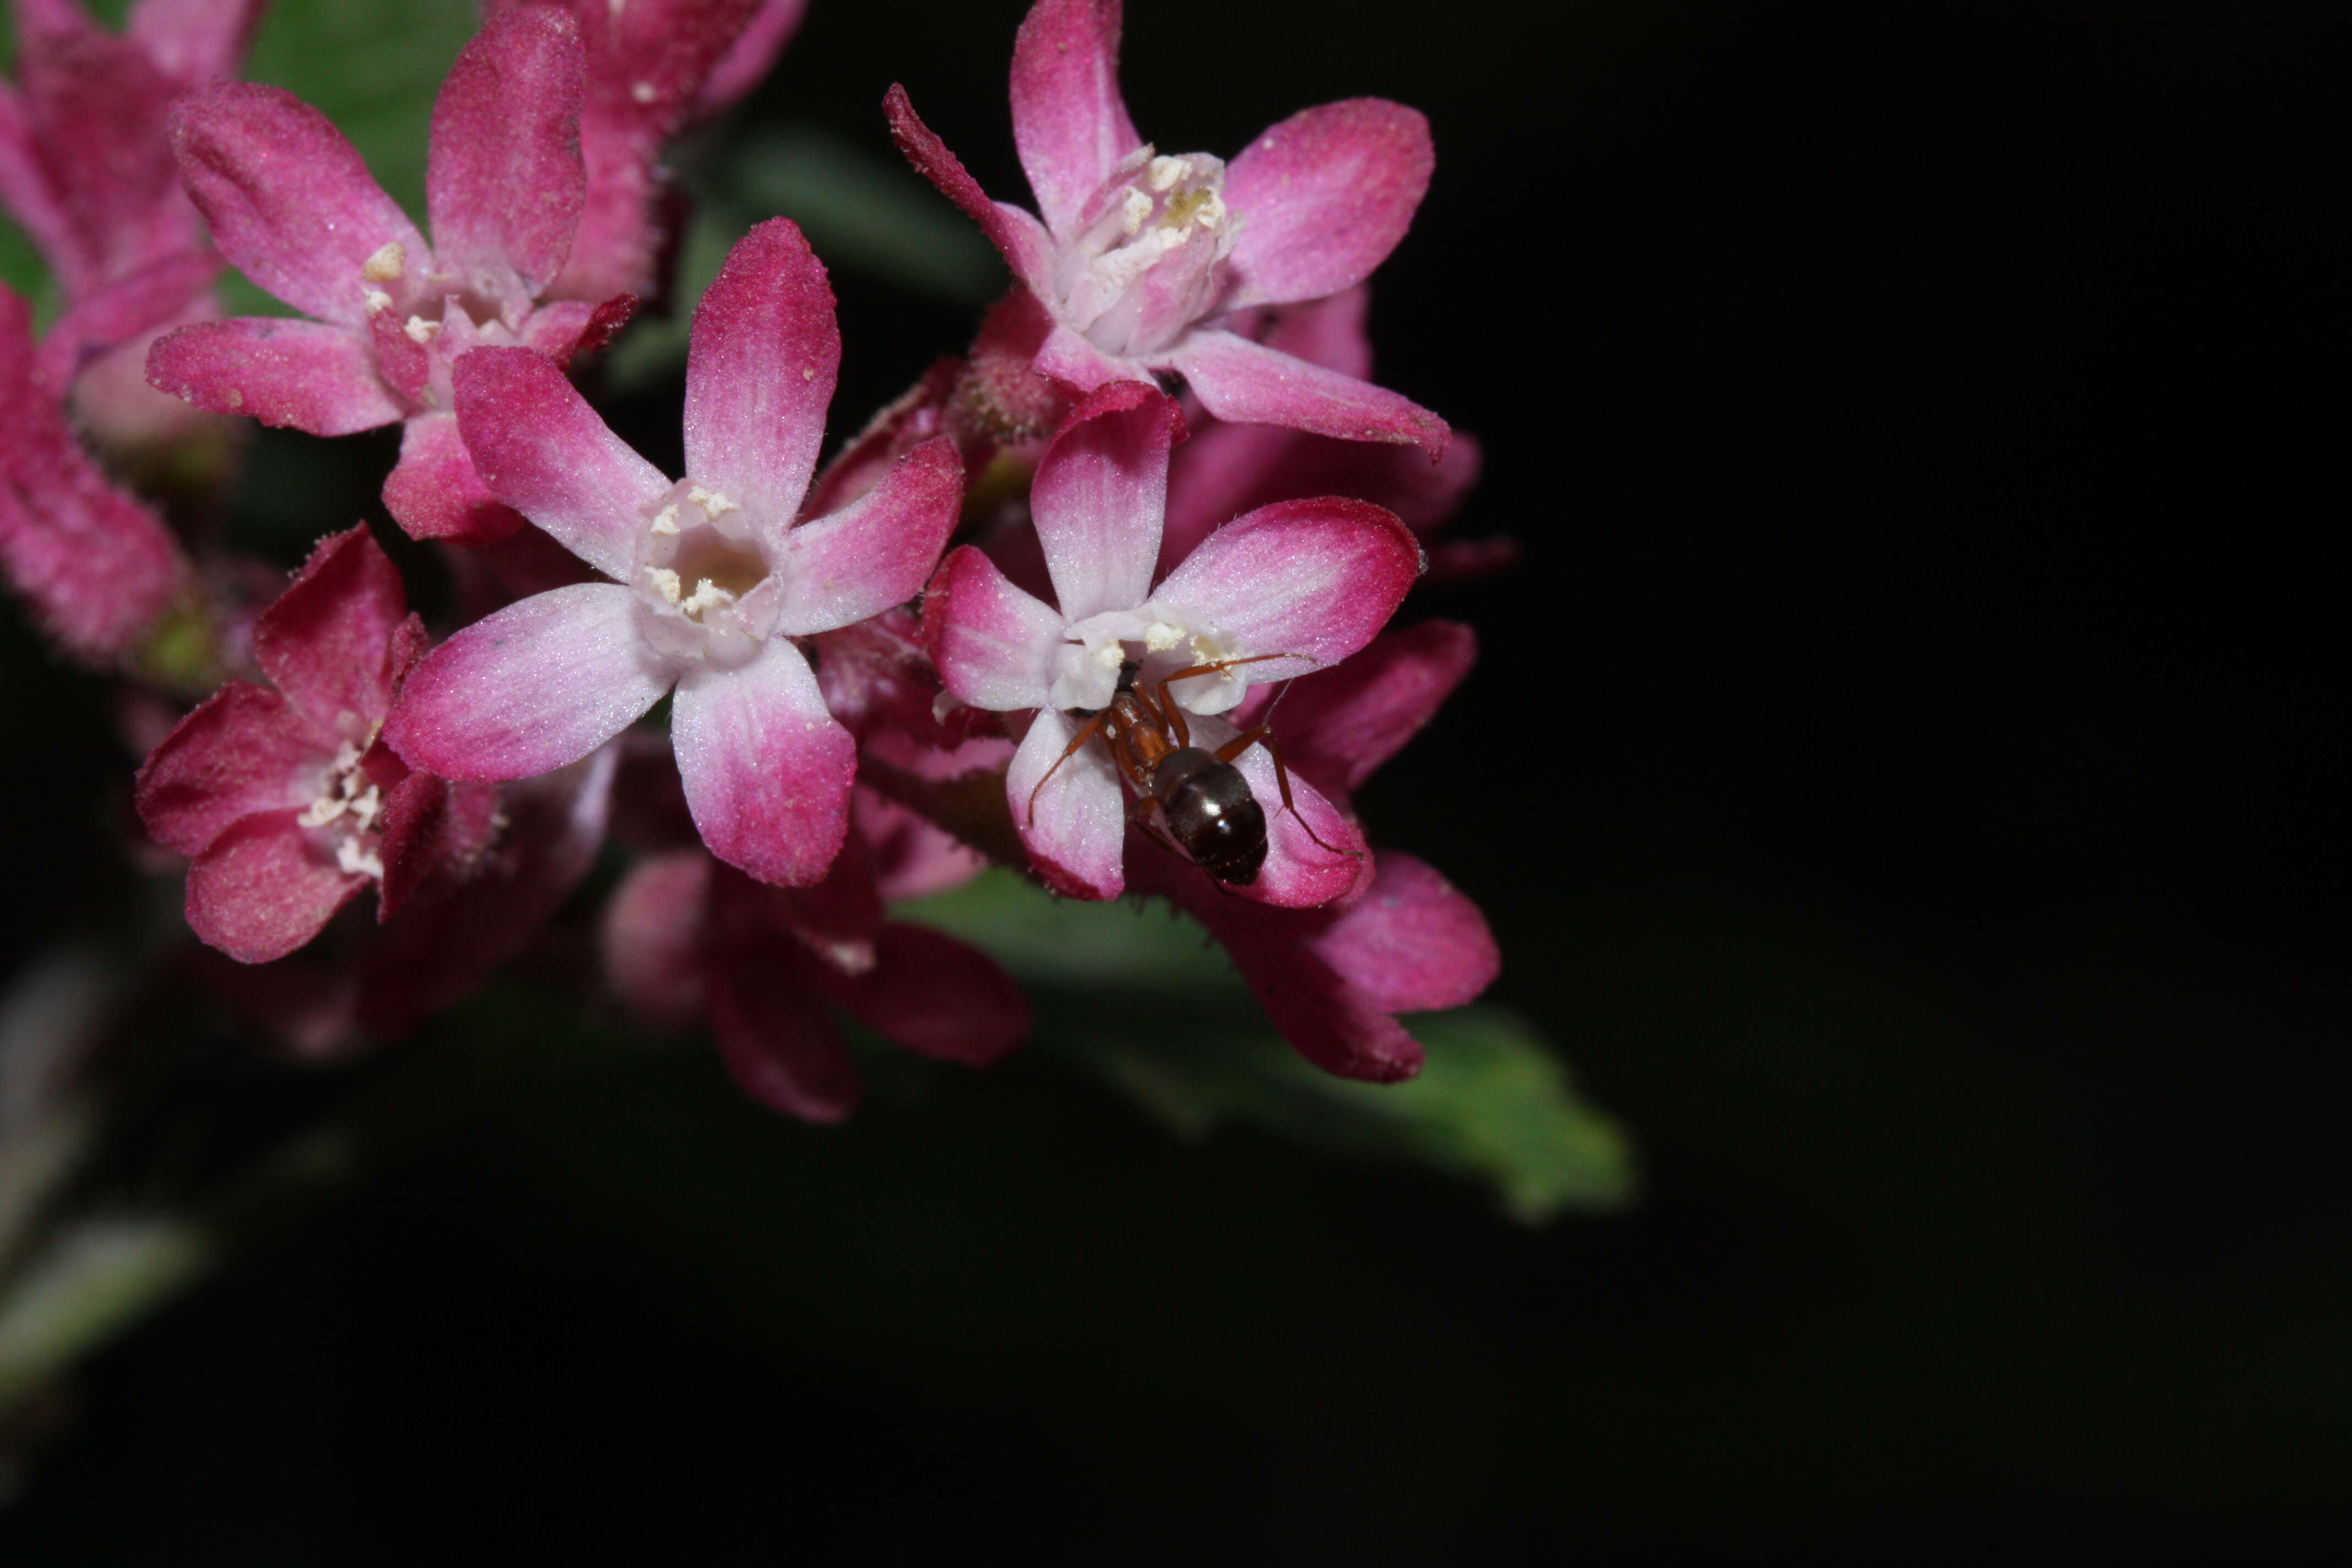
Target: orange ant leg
{"x": 1087, "y": 731}
{"x": 1263, "y": 736}
{"x": 1174, "y": 715}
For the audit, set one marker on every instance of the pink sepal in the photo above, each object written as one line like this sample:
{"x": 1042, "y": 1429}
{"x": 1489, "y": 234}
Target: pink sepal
{"x": 433, "y": 492}
{"x": 504, "y": 185}
{"x": 1069, "y": 810}
{"x": 264, "y": 888}
{"x": 937, "y": 997}
{"x": 1027, "y": 246}
{"x": 1069, "y": 122}
{"x": 656, "y": 936}
{"x": 430, "y": 828}
{"x": 777, "y": 1043}
{"x": 1250, "y": 384}
{"x": 156, "y": 296}
{"x": 760, "y": 369}
{"x": 1412, "y": 944}
{"x": 1337, "y": 726}
{"x": 315, "y": 376}
{"x": 194, "y": 40}
{"x": 1324, "y": 196}
{"x": 339, "y": 640}
{"x": 241, "y": 750}
{"x": 1100, "y": 494}
{"x": 1070, "y": 358}
{"x": 750, "y": 57}
{"x": 539, "y": 447}
{"x": 876, "y": 551}
{"x": 1299, "y": 873}
{"x": 993, "y": 644}
{"x": 767, "y": 769}
{"x": 93, "y": 116}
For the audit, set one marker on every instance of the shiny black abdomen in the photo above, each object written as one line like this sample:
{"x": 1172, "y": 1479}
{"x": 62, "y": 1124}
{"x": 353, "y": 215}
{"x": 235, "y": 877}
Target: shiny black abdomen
{"x": 1211, "y": 814}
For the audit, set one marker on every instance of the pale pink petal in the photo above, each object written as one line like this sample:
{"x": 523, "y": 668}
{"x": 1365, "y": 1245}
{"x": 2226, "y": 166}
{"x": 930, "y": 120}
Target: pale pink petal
{"x": 264, "y": 888}
{"x": 1412, "y": 944}
{"x": 537, "y": 685}
{"x": 937, "y": 998}
{"x": 1299, "y": 873}
{"x": 1027, "y": 248}
{"x": 1071, "y": 357}
{"x": 504, "y": 183}
{"x": 194, "y": 40}
{"x": 1251, "y": 383}
{"x": 1316, "y": 579}
{"x": 876, "y": 551}
{"x": 656, "y": 939}
{"x": 1069, "y": 121}
{"x": 1338, "y": 725}
{"x": 767, "y": 769}
{"x": 777, "y": 1043}
{"x": 994, "y": 644}
{"x": 243, "y": 750}
{"x": 315, "y": 376}
{"x": 1323, "y": 197}
{"x": 750, "y": 57}
{"x": 760, "y": 369}
{"x": 1099, "y": 496}
{"x": 329, "y": 641}
{"x": 289, "y": 202}
{"x": 1069, "y": 809}
{"x": 433, "y": 492}
{"x": 539, "y": 447}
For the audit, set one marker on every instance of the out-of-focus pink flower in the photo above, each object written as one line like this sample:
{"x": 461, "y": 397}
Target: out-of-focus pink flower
{"x": 98, "y": 567}
{"x": 687, "y": 939}
{"x": 1141, "y": 256}
{"x": 291, "y": 205}
{"x": 1276, "y": 593}
{"x": 85, "y": 168}
{"x": 654, "y": 66}
{"x": 285, "y": 800}
{"x": 711, "y": 578}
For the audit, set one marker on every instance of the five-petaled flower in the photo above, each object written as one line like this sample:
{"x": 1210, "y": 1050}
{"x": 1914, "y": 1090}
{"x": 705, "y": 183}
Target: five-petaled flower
{"x": 1142, "y": 254}
{"x": 292, "y": 206}
{"x": 711, "y": 576}
{"x": 1276, "y": 593}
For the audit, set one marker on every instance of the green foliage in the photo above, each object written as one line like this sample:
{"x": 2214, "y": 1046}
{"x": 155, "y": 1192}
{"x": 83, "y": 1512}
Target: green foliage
{"x": 1147, "y": 1003}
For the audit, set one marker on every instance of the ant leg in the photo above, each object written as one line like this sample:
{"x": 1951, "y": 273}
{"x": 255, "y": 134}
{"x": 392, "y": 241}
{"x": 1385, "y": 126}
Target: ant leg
{"x": 1218, "y": 667}
{"x": 1263, "y": 736}
{"x": 1087, "y": 731}
{"x": 1164, "y": 712}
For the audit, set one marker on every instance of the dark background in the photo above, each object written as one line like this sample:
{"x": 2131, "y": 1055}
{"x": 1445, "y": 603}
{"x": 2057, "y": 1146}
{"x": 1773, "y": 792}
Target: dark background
{"x": 1905, "y": 775}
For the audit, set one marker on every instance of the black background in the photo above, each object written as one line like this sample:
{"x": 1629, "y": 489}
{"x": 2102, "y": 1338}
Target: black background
{"x": 1905, "y": 775}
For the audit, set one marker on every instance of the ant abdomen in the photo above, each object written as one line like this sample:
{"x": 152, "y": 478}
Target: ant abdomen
{"x": 1211, "y": 814}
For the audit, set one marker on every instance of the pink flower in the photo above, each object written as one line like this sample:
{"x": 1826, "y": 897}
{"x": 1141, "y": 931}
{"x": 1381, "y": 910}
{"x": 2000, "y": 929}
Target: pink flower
{"x": 292, "y": 205}
{"x": 687, "y": 939}
{"x": 287, "y": 800}
{"x": 1280, "y": 592}
{"x": 98, "y": 567}
{"x": 711, "y": 578}
{"x": 1140, "y": 255}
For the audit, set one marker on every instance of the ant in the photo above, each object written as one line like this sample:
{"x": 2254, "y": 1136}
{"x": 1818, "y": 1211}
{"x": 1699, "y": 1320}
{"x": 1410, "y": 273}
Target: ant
{"x": 1202, "y": 797}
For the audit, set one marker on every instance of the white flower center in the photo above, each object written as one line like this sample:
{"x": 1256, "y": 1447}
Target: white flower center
{"x": 349, "y": 801}
{"x": 702, "y": 577}
{"x": 1148, "y": 259}
{"x": 1162, "y": 641}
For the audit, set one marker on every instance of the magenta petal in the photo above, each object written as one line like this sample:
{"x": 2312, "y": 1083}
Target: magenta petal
{"x": 315, "y": 376}
{"x": 289, "y": 202}
{"x": 1023, "y": 241}
{"x": 1068, "y": 120}
{"x": 1099, "y": 496}
{"x": 29, "y": 197}
{"x": 243, "y": 750}
{"x": 1412, "y": 944}
{"x": 937, "y": 998}
{"x": 876, "y": 551}
{"x": 327, "y": 640}
{"x": 504, "y": 185}
{"x": 1313, "y": 578}
{"x": 263, "y": 889}
{"x": 1324, "y": 196}
{"x": 777, "y": 1043}
{"x": 656, "y": 939}
{"x": 194, "y": 40}
{"x": 1299, "y": 873}
{"x": 431, "y": 830}
{"x": 1338, "y": 725}
{"x": 993, "y": 644}
{"x": 1252, "y": 385}
{"x": 760, "y": 369}
{"x": 750, "y": 57}
{"x": 537, "y": 685}
{"x": 539, "y": 447}
{"x": 154, "y": 297}
{"x": 433, "y": 492}
{"x": 1069, "y": 810}
{"x": 767, "y": 769}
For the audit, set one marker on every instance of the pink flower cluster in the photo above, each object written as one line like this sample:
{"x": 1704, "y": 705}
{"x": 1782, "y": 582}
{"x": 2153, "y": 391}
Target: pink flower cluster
{"x": 1153, "y": 654}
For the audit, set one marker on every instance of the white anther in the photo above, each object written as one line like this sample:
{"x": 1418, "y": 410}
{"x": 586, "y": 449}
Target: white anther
{"x": 356, "y": 860}
{"x": 1136, "y": 208}
{"x": 666, "y": 520}
{"x": 941, "y": 706}
{"x": 714, "y": 505}
{"x": 1166, "y": 172}
{"x": 665, "y": 581}
{"x": 644, "y": 92}
{"x": 387, "y": 265}
{"x": 1212, "y": 210}
{"x": 708, "y": 595}
{"x": 1160, "y": 636}
{"x": 1111, "y": 655}
{"x": 378, "y": 301}
{"x": 421, "y": 331}
{"x": 366, "y": 805}
{"x": 321, "y": 811}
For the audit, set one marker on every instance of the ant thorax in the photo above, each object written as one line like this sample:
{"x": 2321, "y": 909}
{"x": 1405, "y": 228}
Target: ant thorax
{"x": 1088, "y": 665}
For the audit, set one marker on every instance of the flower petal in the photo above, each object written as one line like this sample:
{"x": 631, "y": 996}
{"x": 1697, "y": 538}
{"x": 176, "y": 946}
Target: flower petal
{"x": 537, "y": 685}
{"x": 1253, "y": 385}
{"x": 1099, "y": 496}
{"x": 750, "y": 57}
{"x": 241, "y": 750}
{"x": 157, "y": 296}
{"x": 264, "y": 888}
{"x": 1069, "y": 121}
{"x": 329, "y": 641}
{"x": 1312, "y": 578}
{"x": 1324, "y": 196}
{"x": 1069, "y": 356}
{"x": 876, "y": 551}
{"x": 1027, "y": 246}
{"x": 289, "y": 202}
{"x": 504, "y": 183}
{"x": 655, "y": 938}
{"x": 937, "y": 997}
{"x": 1069, "y": 809}
{"x": 993, "y": 644}
{"x": 314, "y": 376}
{"x": 1338, "y": 725}
{"x": 767, "y": 769}
{"x": 194, "y": 40}
{"x": 777, "y": 1043}
{"x": 1314, "y": 854}
{"x": 433, "y": 492}
{"x": 760, "y": 369}
{"x": 1412, "y": 944}
{"x": 540, "y": 448}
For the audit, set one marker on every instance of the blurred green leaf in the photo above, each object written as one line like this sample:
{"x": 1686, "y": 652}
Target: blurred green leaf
{"x": 1143, "y": 999}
